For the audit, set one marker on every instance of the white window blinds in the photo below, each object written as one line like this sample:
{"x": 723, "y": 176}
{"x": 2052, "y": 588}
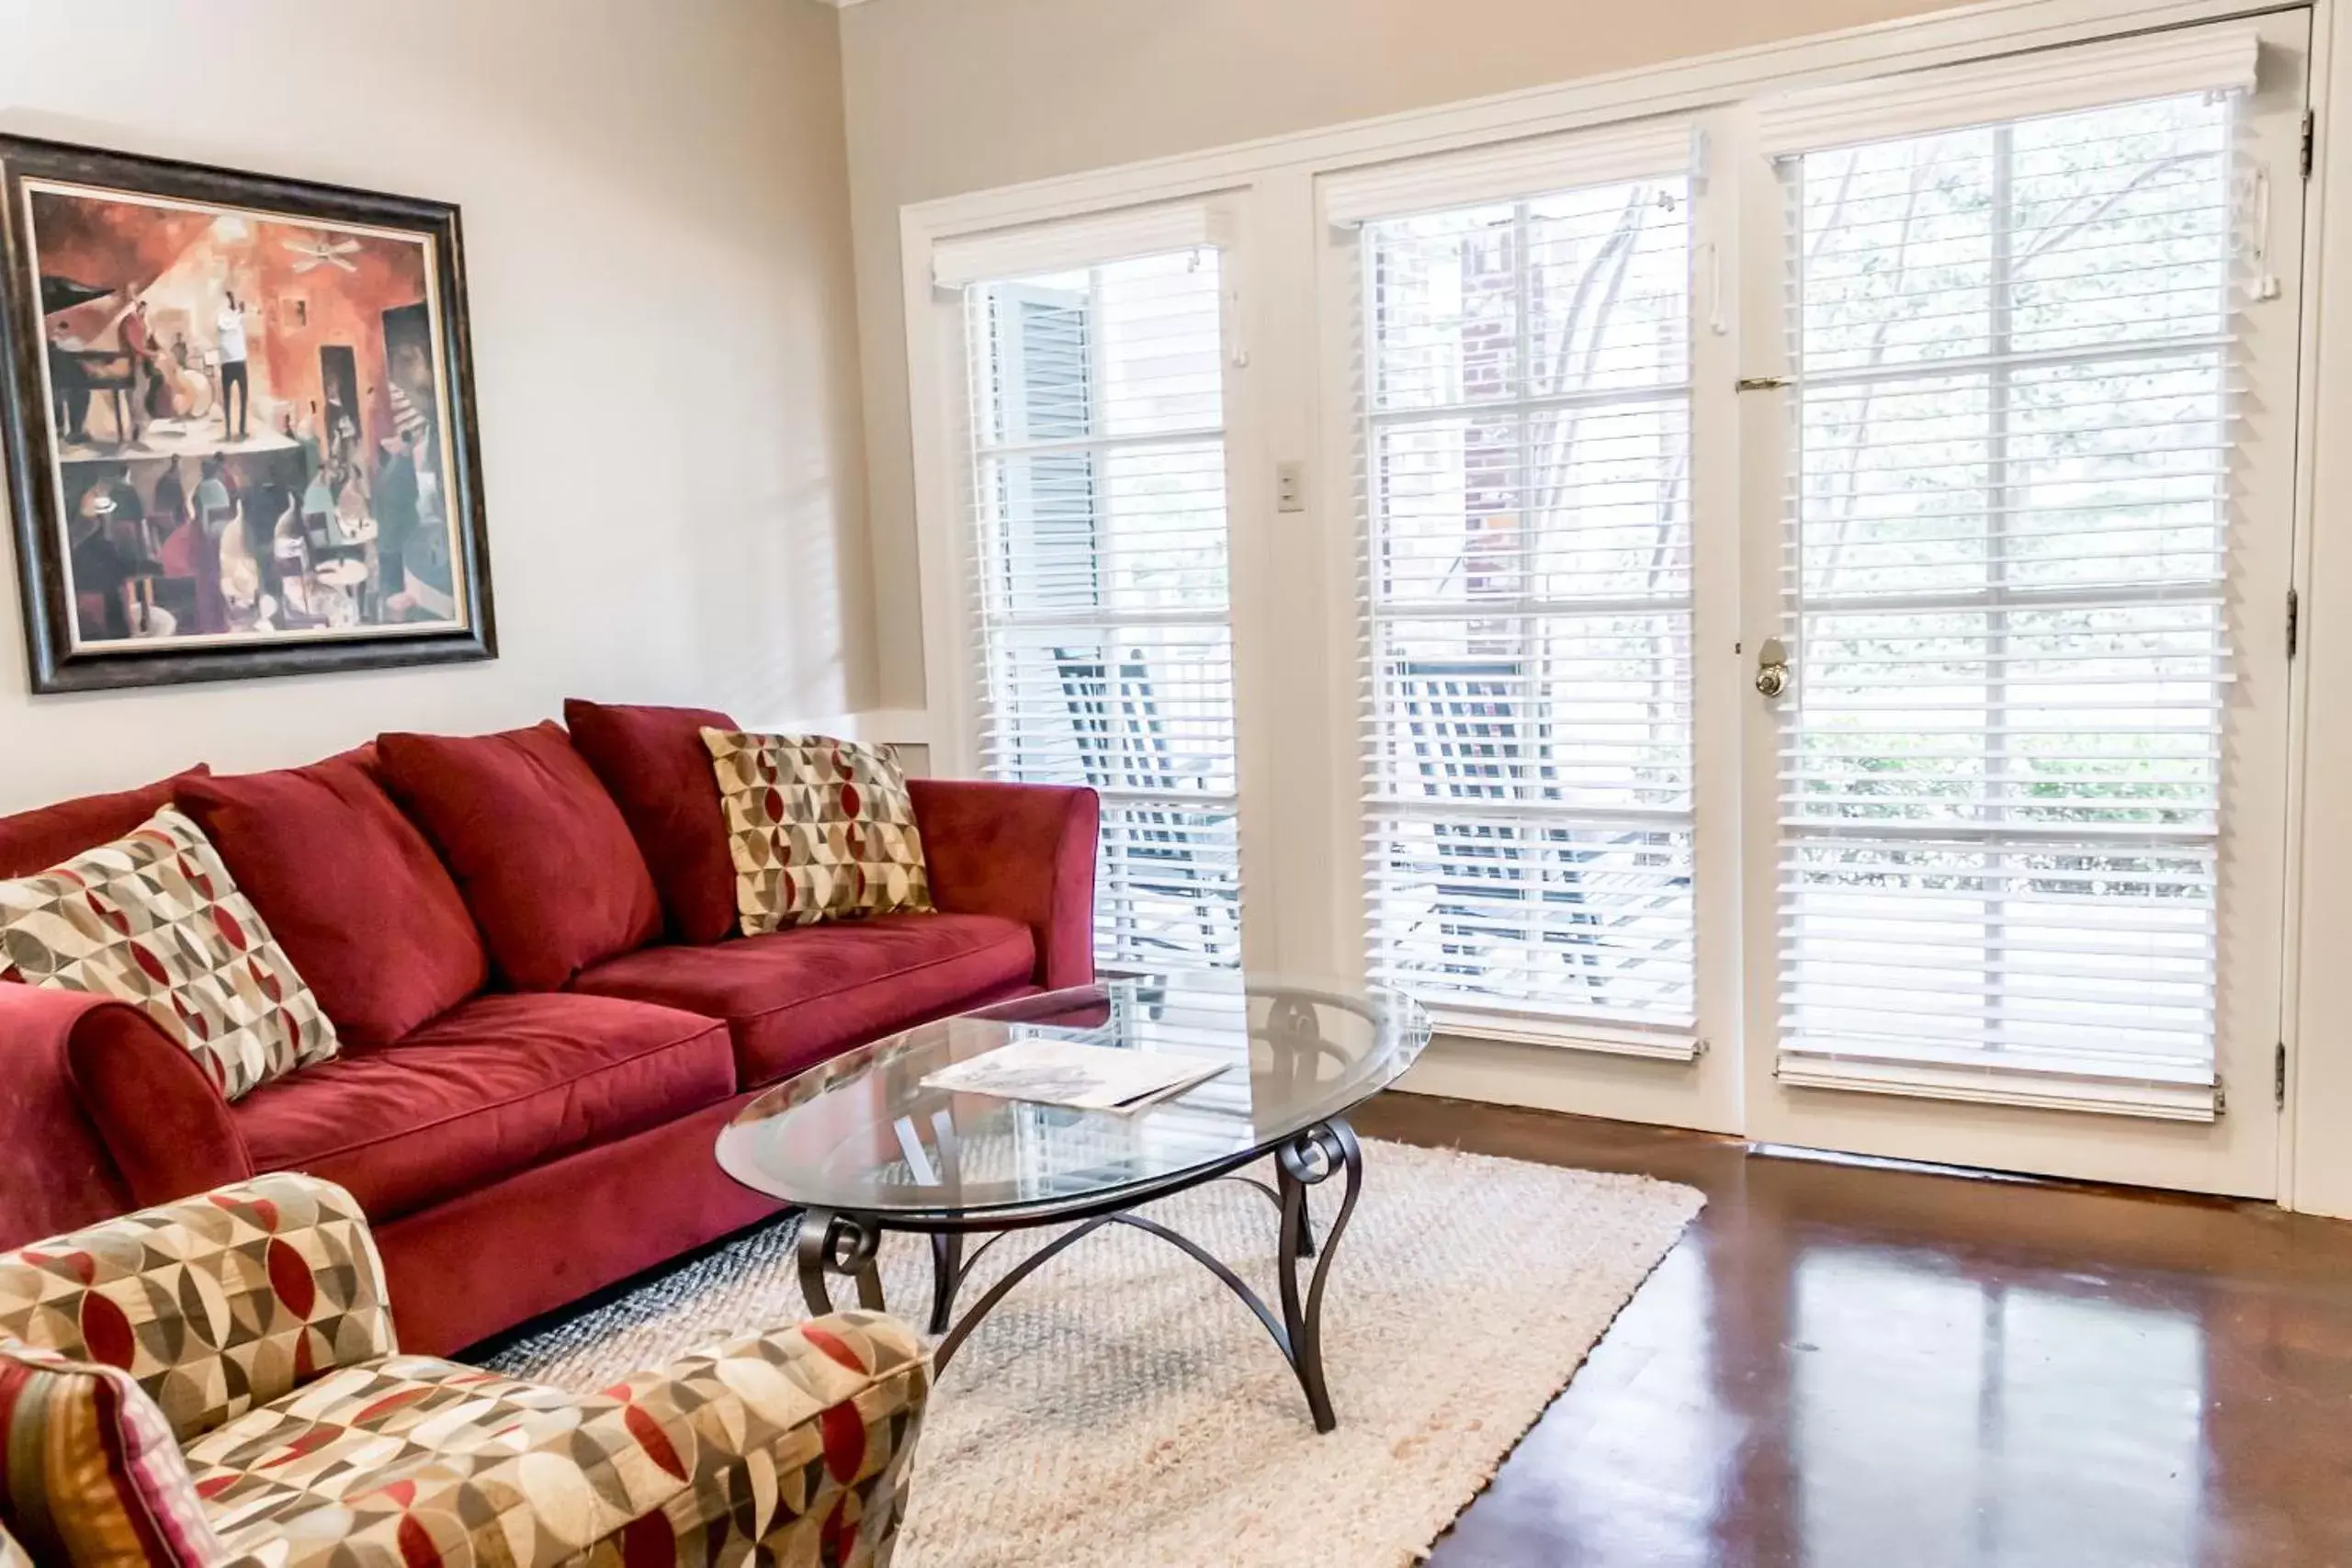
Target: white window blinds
{"x": 1526, "y": 726}
{"x": 1098, "y": 531}
{"x": 2168, "y": 64}
{"x": 1503, "y": 171}
{"x": 2006, "y": 573}
{"x": 1096, "y": 240}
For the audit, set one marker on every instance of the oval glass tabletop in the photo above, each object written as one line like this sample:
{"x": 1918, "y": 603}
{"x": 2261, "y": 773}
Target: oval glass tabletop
{"x": 865, "y": 1133}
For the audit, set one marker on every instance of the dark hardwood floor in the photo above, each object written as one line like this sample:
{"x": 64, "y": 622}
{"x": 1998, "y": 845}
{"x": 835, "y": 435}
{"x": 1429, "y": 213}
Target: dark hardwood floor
{"x": 1853, "y": 1367}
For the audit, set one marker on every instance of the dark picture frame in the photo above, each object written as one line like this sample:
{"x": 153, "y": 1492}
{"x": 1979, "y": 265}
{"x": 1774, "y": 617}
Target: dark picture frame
{"x": 223, "y": 487}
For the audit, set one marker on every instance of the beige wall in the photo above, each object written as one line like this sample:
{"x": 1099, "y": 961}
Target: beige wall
{"x": 947, "y": 97}
{"x": 656, "y": 224}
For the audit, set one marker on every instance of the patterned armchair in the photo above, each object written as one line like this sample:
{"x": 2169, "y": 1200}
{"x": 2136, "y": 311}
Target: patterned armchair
{"x": 215, "y": 1381}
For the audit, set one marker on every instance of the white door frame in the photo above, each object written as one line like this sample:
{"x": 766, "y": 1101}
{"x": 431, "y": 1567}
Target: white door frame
{"x": 1308, "y": 876}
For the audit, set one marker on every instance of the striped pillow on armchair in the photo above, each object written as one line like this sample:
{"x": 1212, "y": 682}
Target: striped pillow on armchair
{"x": 95, "y": 1474}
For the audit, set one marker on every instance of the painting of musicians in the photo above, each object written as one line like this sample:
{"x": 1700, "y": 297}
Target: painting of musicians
{"x": 250, "y": 434}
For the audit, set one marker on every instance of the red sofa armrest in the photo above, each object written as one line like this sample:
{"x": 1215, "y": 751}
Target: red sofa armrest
{"x": 160, "y": 1118}
{"x": 1025, "y": 851}
{"x": 55, "y": 1173}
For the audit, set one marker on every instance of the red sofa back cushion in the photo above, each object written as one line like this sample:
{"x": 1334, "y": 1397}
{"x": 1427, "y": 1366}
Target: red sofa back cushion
{"x": 34, "y": 840}
{"x": 655, "y": 764}
{"x": 350, "y": 889}
{"x": 540, "y": 851}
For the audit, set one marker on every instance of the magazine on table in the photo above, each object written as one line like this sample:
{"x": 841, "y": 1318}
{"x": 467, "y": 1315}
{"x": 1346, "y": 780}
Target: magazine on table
{"x": 1068, "y": 1072}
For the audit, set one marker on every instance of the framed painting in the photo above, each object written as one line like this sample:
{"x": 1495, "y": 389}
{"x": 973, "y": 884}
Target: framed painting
{"x": 239, "y": 424}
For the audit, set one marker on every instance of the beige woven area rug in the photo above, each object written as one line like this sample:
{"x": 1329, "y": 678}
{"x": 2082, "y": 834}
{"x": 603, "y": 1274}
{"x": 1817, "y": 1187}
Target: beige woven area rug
{"x": 1119, "y": 1407}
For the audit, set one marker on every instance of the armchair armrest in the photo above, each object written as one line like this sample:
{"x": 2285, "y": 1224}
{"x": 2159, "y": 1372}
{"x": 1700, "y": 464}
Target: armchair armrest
{"x": 787, "y": 1447}
{"x": 752, "y": 1419}
{"x": 1025, "y": 851}
{"x": 215, "y": 1304}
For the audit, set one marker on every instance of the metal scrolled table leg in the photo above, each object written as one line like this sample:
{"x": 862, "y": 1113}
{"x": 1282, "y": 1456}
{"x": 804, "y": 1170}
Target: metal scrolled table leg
{"x": 1309, "y": 1160}
{"x": 834, "y": 1242}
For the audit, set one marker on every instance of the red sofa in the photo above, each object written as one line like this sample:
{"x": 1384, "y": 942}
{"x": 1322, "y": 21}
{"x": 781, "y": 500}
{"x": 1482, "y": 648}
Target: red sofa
{"x": 524, "y": 941}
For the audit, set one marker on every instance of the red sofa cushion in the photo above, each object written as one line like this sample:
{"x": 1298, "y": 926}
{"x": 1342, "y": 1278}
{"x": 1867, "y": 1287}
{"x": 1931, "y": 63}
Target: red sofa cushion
{"x": 350, "y": 889}
{"x": 654, "y": 762}
{"x": 502, "y": 1083}
{"x": 792, "y": 999}
{"x": 540, "y": 851}
{"x": 34, "y": 840}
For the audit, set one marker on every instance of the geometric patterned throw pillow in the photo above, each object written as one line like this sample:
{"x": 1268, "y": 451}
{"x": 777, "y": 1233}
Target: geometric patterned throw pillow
{"x": 154, "y": 919}
{"x": 95, "y": 1474}
{"x": 820, "y": 829}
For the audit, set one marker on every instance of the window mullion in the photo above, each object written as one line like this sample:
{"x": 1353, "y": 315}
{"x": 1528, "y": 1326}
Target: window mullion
{"x": 1993, "y": 810}
{"x": 1528, "y": 514}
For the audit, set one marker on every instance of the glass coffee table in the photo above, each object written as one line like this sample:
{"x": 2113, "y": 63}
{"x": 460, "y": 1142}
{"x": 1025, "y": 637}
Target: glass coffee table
{"x": 864, "y": 1147}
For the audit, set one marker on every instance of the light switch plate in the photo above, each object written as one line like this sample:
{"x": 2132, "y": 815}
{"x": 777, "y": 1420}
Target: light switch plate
{"x": 1290, "y": 487}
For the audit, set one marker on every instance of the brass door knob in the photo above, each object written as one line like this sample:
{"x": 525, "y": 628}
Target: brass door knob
{"x": 1772, "y": 667}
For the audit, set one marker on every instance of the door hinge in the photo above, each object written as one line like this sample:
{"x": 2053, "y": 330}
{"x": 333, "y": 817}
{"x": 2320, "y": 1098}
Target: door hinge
{"x": 2279, "y": 1077}
{"x": 2311, "y": 139}
{"x": 2294, "y": 622}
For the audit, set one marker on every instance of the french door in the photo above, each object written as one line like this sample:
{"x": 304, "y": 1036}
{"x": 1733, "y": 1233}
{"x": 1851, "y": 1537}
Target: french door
{"x": 1821, "y": 590}
{"x": 2019, "y": 429}
{"x": 1771, "y": 617}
